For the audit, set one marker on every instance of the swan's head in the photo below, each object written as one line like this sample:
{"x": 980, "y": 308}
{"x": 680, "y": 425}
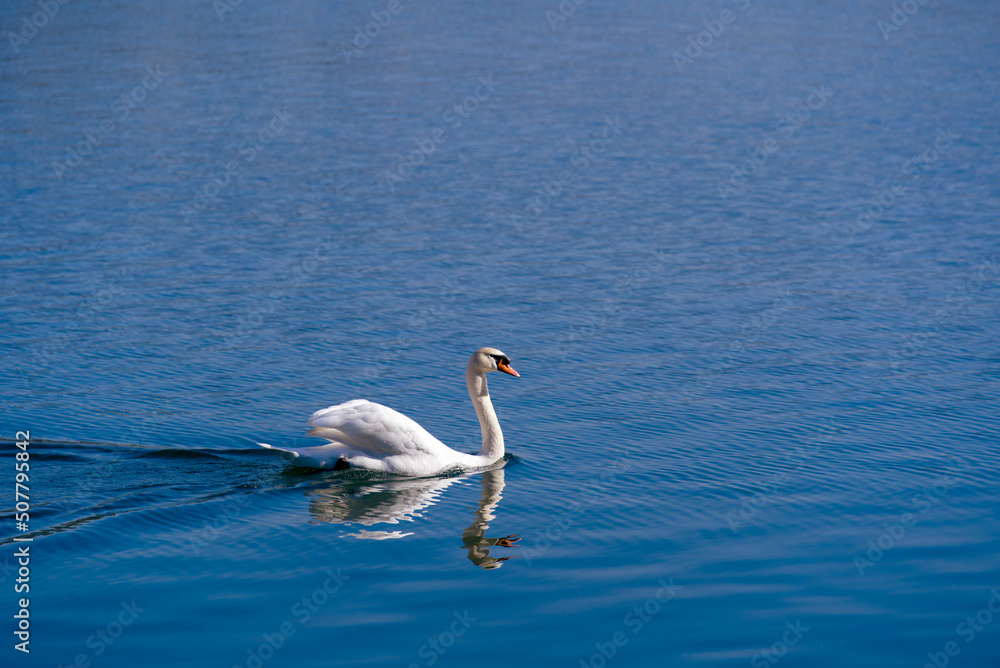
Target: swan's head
{"x": 485, "y": 360}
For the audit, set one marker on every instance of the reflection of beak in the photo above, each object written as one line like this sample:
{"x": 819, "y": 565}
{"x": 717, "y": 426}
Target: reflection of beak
{"x": 506, "y": 368}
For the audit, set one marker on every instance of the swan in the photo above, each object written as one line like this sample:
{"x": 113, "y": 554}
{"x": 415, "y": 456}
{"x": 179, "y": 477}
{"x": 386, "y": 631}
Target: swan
{"x": 371, "y": 436}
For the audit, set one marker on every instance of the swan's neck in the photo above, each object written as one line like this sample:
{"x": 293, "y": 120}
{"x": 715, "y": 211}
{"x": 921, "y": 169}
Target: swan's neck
{"x": 480, "y": 395}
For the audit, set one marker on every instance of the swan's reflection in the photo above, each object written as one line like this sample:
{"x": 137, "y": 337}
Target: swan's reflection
{"x": 474, "y": 537}
{"x": 395, "y": 501}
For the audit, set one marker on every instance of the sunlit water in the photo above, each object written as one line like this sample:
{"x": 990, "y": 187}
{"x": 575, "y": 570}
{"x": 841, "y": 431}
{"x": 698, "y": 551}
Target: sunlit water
{"x": 750, "y": 286}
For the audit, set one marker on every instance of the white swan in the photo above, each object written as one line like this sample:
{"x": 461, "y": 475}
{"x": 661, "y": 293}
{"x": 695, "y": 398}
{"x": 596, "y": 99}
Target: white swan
{"x": 367, "y": 435}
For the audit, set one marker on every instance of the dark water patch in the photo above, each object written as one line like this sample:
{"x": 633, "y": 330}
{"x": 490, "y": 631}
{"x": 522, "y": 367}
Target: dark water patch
{"x": 177, "y": 453}
{"x": 62, "y": 456}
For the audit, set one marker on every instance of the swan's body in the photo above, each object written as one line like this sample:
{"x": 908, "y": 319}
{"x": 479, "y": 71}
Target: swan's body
{"x": 367, "y": 435}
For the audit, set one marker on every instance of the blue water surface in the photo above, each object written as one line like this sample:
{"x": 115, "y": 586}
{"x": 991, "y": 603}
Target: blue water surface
{"x": 744, "y": 255}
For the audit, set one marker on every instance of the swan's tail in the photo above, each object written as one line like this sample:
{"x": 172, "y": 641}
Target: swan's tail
{"x": 329, "y": 456}
{"x": 290, "y": 455}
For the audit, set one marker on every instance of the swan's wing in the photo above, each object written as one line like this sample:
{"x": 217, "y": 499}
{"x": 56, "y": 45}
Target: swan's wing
{"x": 375, "y": 430}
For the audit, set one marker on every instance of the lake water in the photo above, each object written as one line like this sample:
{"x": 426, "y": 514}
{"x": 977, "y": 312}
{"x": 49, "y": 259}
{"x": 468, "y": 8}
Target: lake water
{"x": 744, "y": 255}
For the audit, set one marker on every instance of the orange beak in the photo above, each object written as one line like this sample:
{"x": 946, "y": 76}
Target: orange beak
{"x": 506, "y": 368}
